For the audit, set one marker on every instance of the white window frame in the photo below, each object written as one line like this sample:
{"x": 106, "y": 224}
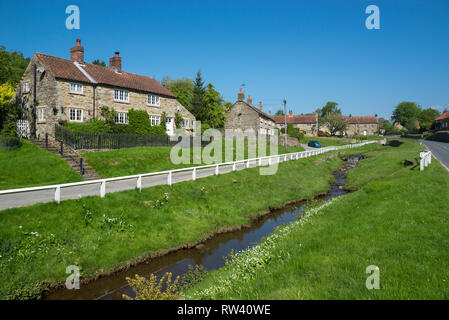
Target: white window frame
{"x": 153, "y": 100}
{"x": 78, "y": 115}
{"x": 42, "y": 114}
{"x": 121, "y": 118}
{"x": 121, "y": 95}
{"x": 155, "y": 120}
{"x": 185, "y": 123}
{"x": 76, "y": 87}
{"x": 26, "y": 87}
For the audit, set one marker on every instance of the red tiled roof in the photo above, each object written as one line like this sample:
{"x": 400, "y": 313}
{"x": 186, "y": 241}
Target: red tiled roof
{"x": 66, "y": 69}
{"x": 362, "y": 119}
{"x": 296, "y": 119}
{"x": 445, "y": 115}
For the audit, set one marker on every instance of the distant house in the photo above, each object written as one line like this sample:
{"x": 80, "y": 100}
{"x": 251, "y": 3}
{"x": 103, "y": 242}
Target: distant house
{"x": 307, "y": 123}
{"x": 442, "y": 122}
{"x": 243, "y": 115}
{"x": 362, "y": 125}
{"x": 74, "y": 91}
{"x": 398, "y": 126}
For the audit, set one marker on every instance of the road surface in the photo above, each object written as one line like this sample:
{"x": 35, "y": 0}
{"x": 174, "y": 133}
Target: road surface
{"x": 440, "y": 150}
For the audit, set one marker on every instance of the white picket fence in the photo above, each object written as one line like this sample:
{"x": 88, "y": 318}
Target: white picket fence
{"x": 426, "y": 159}
{"x": 169, "y": 173}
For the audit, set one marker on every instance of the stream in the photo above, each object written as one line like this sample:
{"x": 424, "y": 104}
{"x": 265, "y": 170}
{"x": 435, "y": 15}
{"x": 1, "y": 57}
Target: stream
{"x": 209, "y": 254}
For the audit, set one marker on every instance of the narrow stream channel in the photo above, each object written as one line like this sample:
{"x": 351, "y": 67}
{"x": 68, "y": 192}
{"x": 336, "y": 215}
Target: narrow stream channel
{"x": 209, "y": 254}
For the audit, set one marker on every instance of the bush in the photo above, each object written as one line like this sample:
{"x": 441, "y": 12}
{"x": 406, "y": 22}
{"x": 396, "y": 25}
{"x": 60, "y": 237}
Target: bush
{"x": 8, "y": 136}
{"x": 93, "y": 126}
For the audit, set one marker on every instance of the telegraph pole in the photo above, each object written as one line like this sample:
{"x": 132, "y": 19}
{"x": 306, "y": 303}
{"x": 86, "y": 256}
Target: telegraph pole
{"x": 285, "y": 123}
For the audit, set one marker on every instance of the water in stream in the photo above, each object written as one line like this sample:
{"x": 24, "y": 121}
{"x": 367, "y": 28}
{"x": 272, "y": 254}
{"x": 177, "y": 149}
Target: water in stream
{"x": 209, "y": 254}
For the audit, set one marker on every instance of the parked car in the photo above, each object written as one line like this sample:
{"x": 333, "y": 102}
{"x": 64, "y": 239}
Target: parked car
{"x": 314, "y": 144}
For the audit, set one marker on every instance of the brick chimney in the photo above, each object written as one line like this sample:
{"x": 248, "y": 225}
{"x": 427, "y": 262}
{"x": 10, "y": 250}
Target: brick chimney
{"x": 290, "y": 113}
{"x": 77, "y": 52}
{"x": 116, "y": 62}
{"x": 260, "y": 106}
{"x": 241, "y": 95}
{"x": 249, "y": 101}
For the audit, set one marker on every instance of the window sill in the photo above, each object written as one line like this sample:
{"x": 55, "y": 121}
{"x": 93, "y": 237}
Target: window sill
{"x": 77, "y": 93}
{"x": 120, "y": 101}
{"x": 150, "y": 105}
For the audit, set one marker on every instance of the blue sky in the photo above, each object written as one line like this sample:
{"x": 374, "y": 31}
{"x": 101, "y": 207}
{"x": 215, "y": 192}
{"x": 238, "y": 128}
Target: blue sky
{"x": 308, "y": 52}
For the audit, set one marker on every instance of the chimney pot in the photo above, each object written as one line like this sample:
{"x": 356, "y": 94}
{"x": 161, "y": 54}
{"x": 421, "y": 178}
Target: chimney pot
{"x": 77, "y": 52}
{"x": 290, "y": 113}
{"x": 116, "y": 62}
{"x": 241, "y": 95}
{"x": 250, "y": 101}
{"x": 260, "y": 106}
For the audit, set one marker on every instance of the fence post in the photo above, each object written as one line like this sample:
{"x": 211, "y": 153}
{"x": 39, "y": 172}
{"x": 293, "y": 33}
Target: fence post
{"x": 194, "y": 174}
{"x": 169, "y": 178}
{"x": 46, "y": 140}
{"x": 260, "y": 162}
{"x": 103, "y": 189}
{"x": 233, "y": 167}
{"x": 58, "y": 195}
{"x": 247, "y": 164}
{"x": 61, "y": 151}
{"x": 81, "y": 167}
{"x": 217, "y": 170}
{"x": 297, "y": 155}
{"x": 139, "y": 183}
{"x": 269, "y": 161}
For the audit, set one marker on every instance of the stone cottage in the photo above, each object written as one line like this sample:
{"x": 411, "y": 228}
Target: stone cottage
{"x": 307, "y": 123}
{"x": 442, "y": 122}
{"x": 243, "y": 115}
{"x": 55, "y": 90}
{"x": 362, "y": 125}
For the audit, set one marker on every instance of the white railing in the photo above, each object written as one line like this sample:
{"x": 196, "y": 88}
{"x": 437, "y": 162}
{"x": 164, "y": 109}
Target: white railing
{"x": 426, "y": 159}
{"x": 23, "y": 128}
{"x": 169, "y": 173}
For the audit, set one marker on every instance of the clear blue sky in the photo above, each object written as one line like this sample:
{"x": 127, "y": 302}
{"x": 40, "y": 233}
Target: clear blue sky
{"x": 308, "y": 52}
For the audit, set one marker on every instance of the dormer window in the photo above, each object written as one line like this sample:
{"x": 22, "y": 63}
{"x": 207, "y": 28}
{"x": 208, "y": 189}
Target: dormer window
{"x": 153, "y": 100}
{"x": 76, "y": 87}
{"x": 121, "y": 95}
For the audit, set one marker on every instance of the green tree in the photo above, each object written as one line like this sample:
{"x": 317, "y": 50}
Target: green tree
{"x": 99, "y": 63}
{"x": 215, "y": 113}
{"x": 6, "y": 93}
{"x": 427, "y": 118}
{"x": 329, "y": 108}
{"x": 182, "y": 88}
{"x": 12, "y": 66}
{"x": 280, "y": 112}
{"x": 335, "y": 122}
{"x": 406, "y": 113}
{"x": 385, "y": 125}
{"x": 198, "y": 106}
{"x": 178, "y": 119}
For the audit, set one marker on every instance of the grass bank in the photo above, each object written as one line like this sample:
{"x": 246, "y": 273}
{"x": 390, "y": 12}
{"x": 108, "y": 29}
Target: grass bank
{"x": 122, "y": 162}
{"x": 397, "y": 220}
{"x": 37, "y": 243}
{"x": 30, "y": 166}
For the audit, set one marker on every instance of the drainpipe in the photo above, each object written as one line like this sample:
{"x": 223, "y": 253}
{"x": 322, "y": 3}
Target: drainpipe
{"x": 34, "y": 102}
{"x": 93, "y": 102}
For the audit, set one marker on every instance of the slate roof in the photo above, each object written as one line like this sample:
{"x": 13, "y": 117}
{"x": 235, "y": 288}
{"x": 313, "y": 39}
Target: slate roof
{"x": 296, "y": 119}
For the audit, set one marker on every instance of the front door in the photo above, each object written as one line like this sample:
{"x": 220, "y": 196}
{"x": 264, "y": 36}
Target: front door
{"x": 169, "y": 125}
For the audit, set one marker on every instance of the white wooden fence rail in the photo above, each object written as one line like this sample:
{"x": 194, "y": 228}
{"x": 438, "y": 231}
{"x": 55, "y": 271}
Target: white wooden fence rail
{"x": 169, "y": 173}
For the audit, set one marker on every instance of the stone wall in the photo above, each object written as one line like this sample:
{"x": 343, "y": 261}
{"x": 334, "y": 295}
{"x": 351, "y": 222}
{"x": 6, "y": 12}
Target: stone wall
{"x": 242, "y": 116}
{"x": 55, "y": 98}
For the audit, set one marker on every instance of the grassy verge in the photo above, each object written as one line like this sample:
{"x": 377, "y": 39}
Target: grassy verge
{"x": 397, "y": 221}
{"x": 123, "y": 162}
{"x": 31, "y": 166}
{"x": 38, "y": 242}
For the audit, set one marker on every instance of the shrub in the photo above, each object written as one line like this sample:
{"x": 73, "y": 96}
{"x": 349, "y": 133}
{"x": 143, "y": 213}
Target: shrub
{"x": 93, "y": 126}
{"x": 151, "y": 289}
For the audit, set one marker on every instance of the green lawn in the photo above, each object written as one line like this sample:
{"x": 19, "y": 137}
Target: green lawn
{"x": 397, "y": 220}
{"x": 96, "y": 233}
{"x": 31, "y": 166}
{"x": 122, "y": 162}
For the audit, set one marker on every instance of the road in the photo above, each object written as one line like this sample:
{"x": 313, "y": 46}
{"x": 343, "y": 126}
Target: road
{"x": 440, "y": 150}
{"x": 73, "y": 192}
